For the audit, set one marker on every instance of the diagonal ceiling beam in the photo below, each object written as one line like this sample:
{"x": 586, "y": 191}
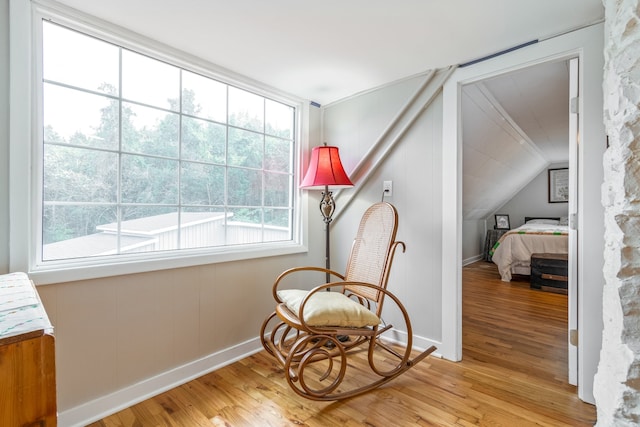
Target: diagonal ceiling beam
{"x": 393, "y": 134}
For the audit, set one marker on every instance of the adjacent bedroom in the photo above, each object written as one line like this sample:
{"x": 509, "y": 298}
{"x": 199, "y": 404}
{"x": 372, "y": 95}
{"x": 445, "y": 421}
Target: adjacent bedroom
{"x": 516, "y": 205}
{"x": 516, "y": 170}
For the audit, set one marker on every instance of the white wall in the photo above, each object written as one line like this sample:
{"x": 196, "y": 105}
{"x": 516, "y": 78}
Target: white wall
{"x": 473, "y": 235}
{"x": 532, "y": 200}
{"x": 4, "y": 136}
{"x": 414, "y": 166}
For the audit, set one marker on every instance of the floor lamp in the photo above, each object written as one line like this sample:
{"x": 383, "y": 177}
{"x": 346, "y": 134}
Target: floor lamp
{"x": 325, "y": 170}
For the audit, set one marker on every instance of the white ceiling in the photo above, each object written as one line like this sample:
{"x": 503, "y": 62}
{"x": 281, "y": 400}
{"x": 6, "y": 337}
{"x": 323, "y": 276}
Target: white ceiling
{"x": 537, "y": 100}
{"x": 327, "y": 50}
{"x": 499, "y": 158}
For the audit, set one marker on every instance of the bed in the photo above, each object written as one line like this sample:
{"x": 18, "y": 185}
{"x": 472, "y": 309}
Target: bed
{"x": 512, "y": 253}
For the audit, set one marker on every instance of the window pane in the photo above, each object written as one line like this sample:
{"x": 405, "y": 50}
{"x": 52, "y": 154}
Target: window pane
{"x": 276, "y": 189}
{"x": 277, "y": 225}
{"x": 78, "y": 60}
{"x": 278, "y": 154}
{"x": 202, "y": 228}
{"x": 79, "y": 175}
{"x": 81, "y": 118}
{"x": 140, "y": 155}
{"x": 278, "y": 217}
{"x": 150, "y": 131}
{"x": 244, "y": 226}
{"x": 147, "y": 229}
{"x": 244, "y": 187}
{"x": 203, "y": 141}
{"x": 204, "y": 97}
{"x": 149, "y": 81}
{"x": 245, "y": 148}
{"x": 70, "y": 231}
{"x": 246, "y": 110}
{"x": 279, "y": 119}
{"x": 149, "y": 180}
{"x": 202, "y": 184}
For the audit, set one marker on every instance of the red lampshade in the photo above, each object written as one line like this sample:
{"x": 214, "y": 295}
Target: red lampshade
{"x": 325, "y": 169}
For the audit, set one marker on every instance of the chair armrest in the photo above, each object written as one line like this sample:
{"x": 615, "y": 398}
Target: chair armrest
{"x": 297, "y": 270}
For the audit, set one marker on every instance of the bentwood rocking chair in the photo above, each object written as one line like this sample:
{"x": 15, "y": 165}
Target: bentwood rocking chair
{"x": 313, "y": 333}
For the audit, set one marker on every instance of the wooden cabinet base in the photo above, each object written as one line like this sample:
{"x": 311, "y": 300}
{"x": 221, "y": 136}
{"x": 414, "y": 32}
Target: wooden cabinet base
{"x": 27, "y": 356}
{"x": 28, "y": 386}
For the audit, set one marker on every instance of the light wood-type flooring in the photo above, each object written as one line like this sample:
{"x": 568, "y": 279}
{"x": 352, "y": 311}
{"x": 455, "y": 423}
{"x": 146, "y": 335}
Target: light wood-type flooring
{"x": 513, "y": 374}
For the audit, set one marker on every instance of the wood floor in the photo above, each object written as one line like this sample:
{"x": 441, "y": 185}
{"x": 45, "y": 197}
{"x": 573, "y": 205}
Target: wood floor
{"x": 513, "y": 373}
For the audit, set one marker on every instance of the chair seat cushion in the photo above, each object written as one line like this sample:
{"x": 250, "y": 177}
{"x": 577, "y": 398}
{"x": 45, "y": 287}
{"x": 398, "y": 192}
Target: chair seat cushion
{"x": 329, "y": 309}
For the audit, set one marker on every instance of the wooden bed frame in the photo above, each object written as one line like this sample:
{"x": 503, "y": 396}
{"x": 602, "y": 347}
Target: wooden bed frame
{"x": 529, "y": 218}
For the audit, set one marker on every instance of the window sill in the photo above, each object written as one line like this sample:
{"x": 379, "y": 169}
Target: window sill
{"x": 68, "y": 272}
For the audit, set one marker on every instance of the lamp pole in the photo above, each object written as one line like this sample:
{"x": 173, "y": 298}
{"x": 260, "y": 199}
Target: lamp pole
{"x": 327, "y": 207}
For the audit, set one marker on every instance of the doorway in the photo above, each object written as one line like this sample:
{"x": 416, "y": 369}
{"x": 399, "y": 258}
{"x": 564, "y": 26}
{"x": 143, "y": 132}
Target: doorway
{"x": 515, "y": 127}
{"x": 587, "y": 45}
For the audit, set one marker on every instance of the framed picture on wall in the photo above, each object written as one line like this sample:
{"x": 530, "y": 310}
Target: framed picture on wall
{"x": 502, "y": 222}
{"x": 559, "y": 185}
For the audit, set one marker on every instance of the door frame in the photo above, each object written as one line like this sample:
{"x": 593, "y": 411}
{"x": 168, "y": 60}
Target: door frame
{"x": 574, "y": 144}
{"x": 585, "y": 44}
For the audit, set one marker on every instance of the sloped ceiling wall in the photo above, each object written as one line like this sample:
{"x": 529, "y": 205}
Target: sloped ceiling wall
{"x": 514, "y": 126}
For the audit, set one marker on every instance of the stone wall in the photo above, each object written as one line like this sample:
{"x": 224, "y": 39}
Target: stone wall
{"x": 617, "y": 383}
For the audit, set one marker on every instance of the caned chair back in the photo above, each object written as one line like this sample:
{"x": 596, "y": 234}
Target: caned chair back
{"x": 372, "y": 251}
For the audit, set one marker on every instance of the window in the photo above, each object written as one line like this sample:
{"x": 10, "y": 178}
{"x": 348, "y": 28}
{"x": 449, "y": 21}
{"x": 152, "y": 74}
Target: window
{"x": 139, "y": 155}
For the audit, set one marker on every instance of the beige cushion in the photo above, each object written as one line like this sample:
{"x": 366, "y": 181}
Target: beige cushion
{"x": 329, "y": 309}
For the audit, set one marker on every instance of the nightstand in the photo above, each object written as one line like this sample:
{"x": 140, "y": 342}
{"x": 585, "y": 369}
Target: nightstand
{"x": 492, "y": 237}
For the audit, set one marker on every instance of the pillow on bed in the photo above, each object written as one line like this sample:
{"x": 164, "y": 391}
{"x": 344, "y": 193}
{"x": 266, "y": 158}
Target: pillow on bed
{"x": 544, "y": 221}
{"x": 329, "y": 309}
{"x": 564, "y": 220}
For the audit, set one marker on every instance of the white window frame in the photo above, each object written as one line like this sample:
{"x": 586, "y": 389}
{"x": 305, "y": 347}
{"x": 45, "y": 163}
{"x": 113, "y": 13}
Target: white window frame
{"x": 25, "y": 139}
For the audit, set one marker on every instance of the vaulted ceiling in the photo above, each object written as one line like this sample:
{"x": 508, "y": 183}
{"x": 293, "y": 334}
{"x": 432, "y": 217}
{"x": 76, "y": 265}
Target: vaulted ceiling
{"x": 514, "y": 127}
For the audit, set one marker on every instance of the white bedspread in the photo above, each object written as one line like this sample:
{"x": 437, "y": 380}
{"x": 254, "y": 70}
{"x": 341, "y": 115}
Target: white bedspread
{"x": 512, "y": 253}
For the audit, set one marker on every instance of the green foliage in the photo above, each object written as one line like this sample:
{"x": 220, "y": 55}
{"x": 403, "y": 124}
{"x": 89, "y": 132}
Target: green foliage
{"x": 174, "y": 160}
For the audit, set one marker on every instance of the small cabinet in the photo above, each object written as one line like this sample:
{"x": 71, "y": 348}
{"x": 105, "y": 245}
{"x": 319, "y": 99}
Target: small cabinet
{"x": 27, "y": 356}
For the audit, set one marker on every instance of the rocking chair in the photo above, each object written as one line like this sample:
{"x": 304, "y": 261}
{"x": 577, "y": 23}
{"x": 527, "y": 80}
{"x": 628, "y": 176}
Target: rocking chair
{"x": 312, "y": 333}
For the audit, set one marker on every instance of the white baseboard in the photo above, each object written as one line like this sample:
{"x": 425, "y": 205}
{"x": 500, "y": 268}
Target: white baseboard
{"x": 106, "y": 405}
{"x": 471, "y": 260}
{"x": 419, "y": 343}
{"x": 423, "y": 343}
